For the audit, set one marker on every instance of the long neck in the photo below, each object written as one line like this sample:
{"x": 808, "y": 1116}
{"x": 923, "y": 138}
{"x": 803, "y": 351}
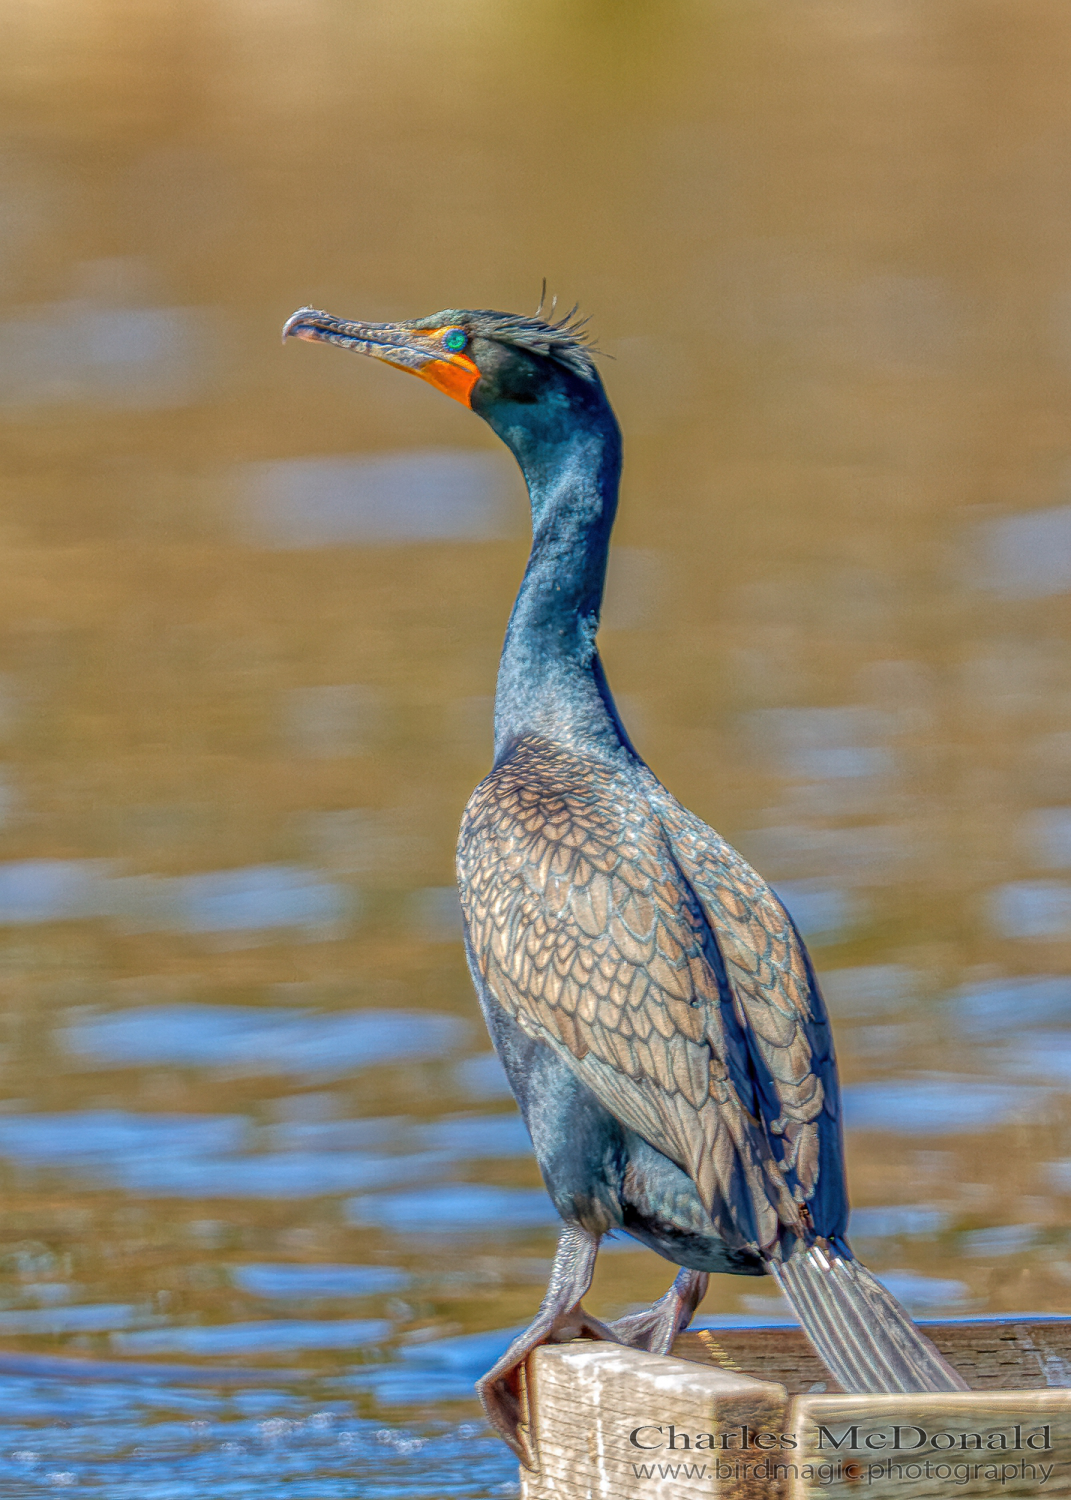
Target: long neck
{"x": 550, "y": 680}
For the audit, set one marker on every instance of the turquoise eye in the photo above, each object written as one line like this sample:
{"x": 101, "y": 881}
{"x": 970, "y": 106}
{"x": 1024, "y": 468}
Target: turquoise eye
{"x": 455, "y": 339}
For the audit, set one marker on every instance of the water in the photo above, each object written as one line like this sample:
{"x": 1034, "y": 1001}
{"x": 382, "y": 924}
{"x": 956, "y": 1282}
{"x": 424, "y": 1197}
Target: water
{"x": 269, "y": 1210}
{"x": 126, "y": 1432}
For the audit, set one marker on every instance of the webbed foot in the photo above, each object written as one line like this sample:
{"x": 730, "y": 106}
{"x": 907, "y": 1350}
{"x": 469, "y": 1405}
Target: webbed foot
{"x": 657, "y": 1327}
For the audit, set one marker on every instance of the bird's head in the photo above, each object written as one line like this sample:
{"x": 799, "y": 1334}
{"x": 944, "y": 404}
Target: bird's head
{"x": 533, "y": 381}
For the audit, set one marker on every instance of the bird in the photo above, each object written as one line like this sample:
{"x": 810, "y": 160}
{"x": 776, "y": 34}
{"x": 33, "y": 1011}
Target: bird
{"x": 650, "y": 997}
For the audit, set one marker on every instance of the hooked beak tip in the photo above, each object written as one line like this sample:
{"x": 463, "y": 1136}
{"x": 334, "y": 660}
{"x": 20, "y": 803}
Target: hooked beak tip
{"x": 293, "y": 327}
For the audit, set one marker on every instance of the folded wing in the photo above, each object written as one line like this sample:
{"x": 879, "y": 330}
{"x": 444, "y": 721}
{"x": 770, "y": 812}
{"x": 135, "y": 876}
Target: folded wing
{"x": 604, "y": 925}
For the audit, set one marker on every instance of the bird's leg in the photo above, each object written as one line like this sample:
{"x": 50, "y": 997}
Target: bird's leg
{"x": 560, "y": 1318}
{"x": 655, "y": 1329}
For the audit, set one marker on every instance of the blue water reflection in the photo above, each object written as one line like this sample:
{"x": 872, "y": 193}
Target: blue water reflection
{"x": 776, "y": 1316}
{"x": 477, "y": 1135}
{"x": 435, "y": 912}
{"x": 921, "y": 1293}
{"x": 129, "y": 357}
{"x": 208, "y": 1156}
{"x": 1059, "y": 1175}
{"x": 434, "y": 494}
{"x": 1027, "y": 556}
{"x": 907, "y": 1220}
{"x": 439, "y": 1370}
{"x": 939, "y": 1105}
{"x": 127, "y": 1432}
{"x": 1000, "y": 1239}
{"x": 483, "y": 1077}
{"x": 50, "y": 890}
{"x": 1047, "y": 835}
{"x": 269, "y": 1337}
{"x": 83, "y": 1136}
{"x": 1003, "y": 1005}
{"x": 866, "y": 854}
{"x": 869, "y": 990}
{"x": 293, "y": 1281}
{"x": 458, "y": 1135}
{"x": 253, "y": 898}
{"x": 466, "y": 1352}
{"x": 276, "y": 1175}
{"x": 819, "y": 744}
{"x": 88, "y": 1319}
{"x": 456, "y": 1208}
{"x": 1032, "y": 909}
{"x": 261, "y": 1039}
{"x": 821, "y": 911}
{"x": 49, "y": 1293}
{"x": 338, "y": 1135}
{"x": 1042, "y": 1054}
{"x": 400, "y": 1385}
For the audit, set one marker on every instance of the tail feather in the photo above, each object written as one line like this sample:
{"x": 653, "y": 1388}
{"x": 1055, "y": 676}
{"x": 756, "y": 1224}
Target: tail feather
{"x": 860, "y": 1330}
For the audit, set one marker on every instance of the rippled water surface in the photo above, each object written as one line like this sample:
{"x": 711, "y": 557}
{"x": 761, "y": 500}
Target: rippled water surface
{"x": 268, "y": 1208}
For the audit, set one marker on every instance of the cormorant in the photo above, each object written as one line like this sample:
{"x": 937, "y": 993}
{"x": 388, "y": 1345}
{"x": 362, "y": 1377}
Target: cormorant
{"x": 649, "y": 996}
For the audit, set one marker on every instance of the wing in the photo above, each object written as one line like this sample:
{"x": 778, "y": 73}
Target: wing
{"x": 779, "y": 1007}
{"x": 589, "y": 936}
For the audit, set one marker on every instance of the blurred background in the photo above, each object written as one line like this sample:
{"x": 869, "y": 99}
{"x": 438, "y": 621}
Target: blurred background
{"x": 261, "y": 1174}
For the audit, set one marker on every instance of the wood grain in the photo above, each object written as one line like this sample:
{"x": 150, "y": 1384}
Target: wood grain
{"x": 990, "y": 1353}
{"x": 1011, "y": 1443}
{"x": 585, "y": 1399}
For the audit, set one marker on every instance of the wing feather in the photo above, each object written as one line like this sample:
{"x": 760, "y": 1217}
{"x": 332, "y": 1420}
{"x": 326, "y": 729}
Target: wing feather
{"x": 784, "y": 1022}
{"x": 599, "y": 913}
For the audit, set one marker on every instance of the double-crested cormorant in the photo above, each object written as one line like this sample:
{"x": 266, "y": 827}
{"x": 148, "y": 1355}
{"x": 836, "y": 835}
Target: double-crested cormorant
{"x": 650, "y": 998}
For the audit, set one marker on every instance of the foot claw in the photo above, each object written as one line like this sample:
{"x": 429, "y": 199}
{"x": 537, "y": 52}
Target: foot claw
{"x": 502, "y": 1398}
{"x": 502, "y": 1389}
{"x": 647, "y": 1330}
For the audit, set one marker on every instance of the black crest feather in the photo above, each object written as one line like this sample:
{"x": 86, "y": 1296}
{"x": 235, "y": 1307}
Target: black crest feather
{"x": 565, "y": 340}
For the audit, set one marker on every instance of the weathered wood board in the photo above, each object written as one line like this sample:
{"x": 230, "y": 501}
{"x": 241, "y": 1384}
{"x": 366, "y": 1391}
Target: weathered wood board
{"x": 586, "y": 1400}
{"x": 990, "y": 1353}
{"x": 1010, "y": 1443}
{"x": 742, "y": 1413}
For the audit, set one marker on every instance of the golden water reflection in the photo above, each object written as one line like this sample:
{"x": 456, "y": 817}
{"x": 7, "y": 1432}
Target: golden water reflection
{"x": 254, "y": 597}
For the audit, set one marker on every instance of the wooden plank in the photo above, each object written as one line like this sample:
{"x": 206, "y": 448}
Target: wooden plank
{"x": 620, "y": 1424}
{"x": 990, "y": 1353}
{"x": 780, "y": 1355}
{"x": 1009, "y": 1443}
{"x": 587, "y": 1399}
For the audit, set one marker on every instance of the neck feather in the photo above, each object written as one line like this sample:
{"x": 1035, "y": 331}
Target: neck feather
{"x": 550, "y": 679}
